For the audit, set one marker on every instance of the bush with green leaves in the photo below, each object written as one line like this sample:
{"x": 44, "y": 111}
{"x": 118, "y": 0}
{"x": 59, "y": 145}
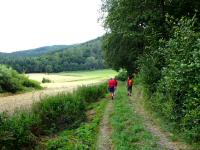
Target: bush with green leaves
{"x": 180, "y": 83}
{"x": 12, "y": 81}
{"x": 45, "y": 80}
{"x": 149, "y": 74}
{"x": 23, "y": 129}
{"x": 122, "y": 76}
{"x": 171, "y": 75}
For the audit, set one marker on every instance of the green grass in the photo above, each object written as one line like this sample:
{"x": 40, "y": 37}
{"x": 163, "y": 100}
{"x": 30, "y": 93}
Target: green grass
{"x": 82, "y": 138}
{"x": 95, "y": 73}
{"x": 128, "y": 130}
{"x": 85, "y": 79}
{"x": 24, "y": 128}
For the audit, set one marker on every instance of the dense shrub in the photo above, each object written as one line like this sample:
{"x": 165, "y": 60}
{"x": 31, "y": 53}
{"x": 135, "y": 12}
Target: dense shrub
{"x": 11, "y": 81}
{"x": 122, "y": 76}
{"x": 149, "y": 74}
{"x": 181, "y": 80}
{"x": 23, "y": 129}
{"x": 45, "y": 80}
{"x": 174, "y": 80}
{"x": 31, "y": 83}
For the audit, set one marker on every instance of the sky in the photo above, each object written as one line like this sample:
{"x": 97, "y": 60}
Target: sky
{"x": 27, "y": 24}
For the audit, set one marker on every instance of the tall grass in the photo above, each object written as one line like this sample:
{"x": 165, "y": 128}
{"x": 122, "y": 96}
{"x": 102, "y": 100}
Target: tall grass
{"x": 92, "y": 93}
{"x": 24, "y": 128}
{"x": 83, "y": 137}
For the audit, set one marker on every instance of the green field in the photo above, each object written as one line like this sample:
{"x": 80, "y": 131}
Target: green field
{"x": 73, "y": 78}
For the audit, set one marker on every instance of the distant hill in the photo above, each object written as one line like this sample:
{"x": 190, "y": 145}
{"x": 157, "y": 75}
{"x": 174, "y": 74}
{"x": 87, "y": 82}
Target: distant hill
{"x": 36, "y": 51}
{"x": 58, "y": 58}
{"x": 39, "y": 51}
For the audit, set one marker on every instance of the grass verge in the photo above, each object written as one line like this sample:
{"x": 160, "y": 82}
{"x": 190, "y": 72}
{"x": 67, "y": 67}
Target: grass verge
{"x": 82, "y": 138}
{"x": 128, "y": 131}
{"x": 167, "y": 126}
{"x": 24, "y": 128}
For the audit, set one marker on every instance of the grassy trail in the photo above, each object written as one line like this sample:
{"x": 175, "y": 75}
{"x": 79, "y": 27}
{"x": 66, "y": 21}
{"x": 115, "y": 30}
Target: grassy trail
{"x": 151, "y": 124}
{"x": 104, "y": 141}
{"x": 128, "y": 130}
{"x": 132, "y": 127}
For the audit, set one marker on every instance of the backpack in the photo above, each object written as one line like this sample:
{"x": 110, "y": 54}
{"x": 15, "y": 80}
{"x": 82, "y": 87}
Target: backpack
{"x": 130, "y": 82}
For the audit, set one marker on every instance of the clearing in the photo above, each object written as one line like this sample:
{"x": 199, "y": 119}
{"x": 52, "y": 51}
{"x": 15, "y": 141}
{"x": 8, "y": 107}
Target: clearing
{"x": 60, "y": 82}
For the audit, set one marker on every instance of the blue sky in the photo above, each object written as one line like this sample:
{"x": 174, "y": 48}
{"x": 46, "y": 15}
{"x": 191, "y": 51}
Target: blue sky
{"x": 26, "y": 24}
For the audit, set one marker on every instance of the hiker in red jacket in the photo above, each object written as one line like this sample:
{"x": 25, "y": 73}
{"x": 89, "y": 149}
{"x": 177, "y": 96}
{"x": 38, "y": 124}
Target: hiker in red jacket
{"x": 111, "y": 87}
{"x": 129, "y": 85}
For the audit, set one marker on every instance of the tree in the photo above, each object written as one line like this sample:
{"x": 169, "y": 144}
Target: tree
{"x": 135, "y": 25}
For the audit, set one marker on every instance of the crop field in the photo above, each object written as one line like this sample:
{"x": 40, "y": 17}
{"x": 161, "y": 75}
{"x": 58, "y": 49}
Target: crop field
{"x": 60, "y": 82}
{"x": 70, "y": 79}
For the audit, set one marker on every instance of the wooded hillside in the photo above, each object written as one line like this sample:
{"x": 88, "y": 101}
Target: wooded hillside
{"x": 85, "y": 56}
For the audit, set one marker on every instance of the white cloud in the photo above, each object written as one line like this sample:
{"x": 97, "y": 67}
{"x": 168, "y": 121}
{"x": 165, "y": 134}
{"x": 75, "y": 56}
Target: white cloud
{"x": 26, "y": 24}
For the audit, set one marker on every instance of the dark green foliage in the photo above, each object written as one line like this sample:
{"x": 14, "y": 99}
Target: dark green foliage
{"x": 86, "y": 56}
{"x": 135, "y": 25}
{"x": 17, "y": 132}
{"x": 180, "y": 81}
{"x": 23, "y": 129}
{"x": 45, "y": 80}
{"x": 130, "y": 24}
{"x": 149, "y": 73}
{"x": 31, "y": 83}
{"x": 175, "y": 81}
{"x": 38, "y": 51}
{"x": 122, "y": 76}
{"x": 11, "y": 81}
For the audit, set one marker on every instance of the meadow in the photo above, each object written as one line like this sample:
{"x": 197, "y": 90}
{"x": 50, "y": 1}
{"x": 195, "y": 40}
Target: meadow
{"x": 60, "y": 83}
{"x": 72, "y": 78}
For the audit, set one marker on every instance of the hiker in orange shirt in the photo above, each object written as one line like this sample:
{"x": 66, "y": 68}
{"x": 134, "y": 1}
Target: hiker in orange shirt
{"x": 129, "y": 85}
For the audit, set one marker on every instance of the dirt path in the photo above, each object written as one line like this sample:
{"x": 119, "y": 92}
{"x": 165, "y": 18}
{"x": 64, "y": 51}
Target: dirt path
{"x": 104, "y": 141}
{"x": 163, "y": 137}
{"x": 10, "y": 103}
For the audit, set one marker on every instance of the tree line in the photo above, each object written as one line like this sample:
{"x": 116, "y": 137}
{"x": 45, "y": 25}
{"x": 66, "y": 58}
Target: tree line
{"x": 86, "y": 56}
{"x": 158, "y": 41}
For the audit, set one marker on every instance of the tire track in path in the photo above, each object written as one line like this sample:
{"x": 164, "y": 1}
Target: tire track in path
{"x": 104, "y": 141}
{"x": 163, "y": 137}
